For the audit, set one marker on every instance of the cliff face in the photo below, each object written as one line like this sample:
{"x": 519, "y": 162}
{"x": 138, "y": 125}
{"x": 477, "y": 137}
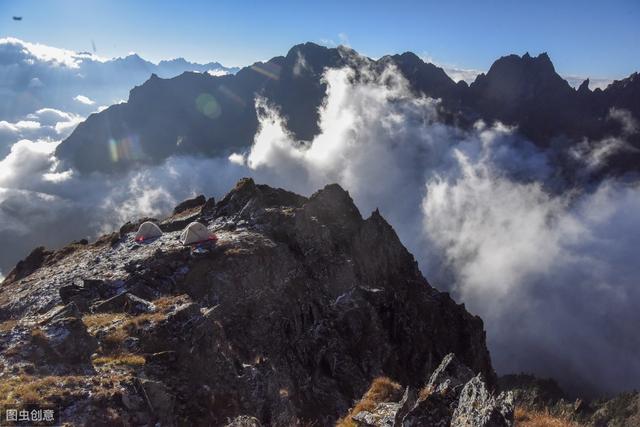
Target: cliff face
{"x": 287, "y": 317}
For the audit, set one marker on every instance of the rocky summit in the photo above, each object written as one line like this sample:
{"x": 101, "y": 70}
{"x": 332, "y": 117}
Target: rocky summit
{"x": 285, "y": 316}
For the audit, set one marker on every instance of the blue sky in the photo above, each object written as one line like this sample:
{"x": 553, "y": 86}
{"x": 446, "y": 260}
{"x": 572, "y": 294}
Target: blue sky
{"x": 585, "y": 38}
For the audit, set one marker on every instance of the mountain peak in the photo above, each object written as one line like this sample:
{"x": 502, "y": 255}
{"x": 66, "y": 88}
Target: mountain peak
{"x": 517, "y": 90}
{"x": 285, "y": 290}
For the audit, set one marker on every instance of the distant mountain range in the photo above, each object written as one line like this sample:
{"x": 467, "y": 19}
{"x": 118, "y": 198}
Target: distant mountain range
{"x": 35, "y": 76}
{"x": 201, "y": 114}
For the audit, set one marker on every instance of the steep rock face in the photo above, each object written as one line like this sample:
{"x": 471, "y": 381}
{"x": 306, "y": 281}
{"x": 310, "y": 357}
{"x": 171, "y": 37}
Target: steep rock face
{"x": 287, "y": 317}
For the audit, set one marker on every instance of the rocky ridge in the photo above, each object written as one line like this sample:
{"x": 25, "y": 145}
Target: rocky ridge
{"x": 284, "y": 320}
{"x": 544, "y": 396}
{"x": 453, "y": 396}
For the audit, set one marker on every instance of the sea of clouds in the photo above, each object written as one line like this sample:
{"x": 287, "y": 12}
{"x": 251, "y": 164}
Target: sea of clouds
{"x": 550, "y": 267}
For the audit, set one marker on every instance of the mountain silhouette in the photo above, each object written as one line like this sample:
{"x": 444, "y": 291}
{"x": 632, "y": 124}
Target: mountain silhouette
{"x": 200, "y": 114}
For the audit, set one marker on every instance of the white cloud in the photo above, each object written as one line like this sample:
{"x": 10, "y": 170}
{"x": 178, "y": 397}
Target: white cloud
{"x": 454, "y": 72}
{"x": 46, "y": 124}
{"x": 462, "y": 74}
{"x": 36, "y": 76}
{"x": 594, "y": 83}
{"x": 55, "y": 56}
{"x": 84, "y": 100}
{"x": 475, "y": 209}
{"x": 217, "y": 72}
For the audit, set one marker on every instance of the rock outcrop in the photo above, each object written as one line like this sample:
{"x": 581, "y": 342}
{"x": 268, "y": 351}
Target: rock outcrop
{"x": 543, "y": 398}
{"x": 452, "y": 396}
{"x": 285, "y": 319}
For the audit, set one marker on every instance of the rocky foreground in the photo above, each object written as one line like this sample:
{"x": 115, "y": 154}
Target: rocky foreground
{"x": 300, "y": 313}
{"x": 286, "y": 318}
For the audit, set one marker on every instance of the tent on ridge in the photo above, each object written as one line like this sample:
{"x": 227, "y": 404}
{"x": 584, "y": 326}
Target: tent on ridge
{"x": 195, "y": 233}
{"x": 148, "y": 230}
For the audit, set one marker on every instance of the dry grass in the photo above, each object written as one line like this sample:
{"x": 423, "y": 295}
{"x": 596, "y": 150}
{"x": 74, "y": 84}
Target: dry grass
{"x": 137, "y": 322}
{"x": 100, "y": 320}
{"x": 424, "y": 393}
{"x": 125, "y": 326}
{"x": 113, "y": 341}
{"x": 120, "y": 360}
{"x": 58, "y": 390}
{"x": 170, "y": 301}
{"x": 38, "y": 336}
{"x": 529, "y": 418}
{"x": 382, "y": 389}
{"x": 27, "y": 389}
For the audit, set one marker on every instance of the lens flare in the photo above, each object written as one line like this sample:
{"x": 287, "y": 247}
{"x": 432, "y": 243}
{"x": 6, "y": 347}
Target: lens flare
{"x": 125, "y": 149}
{"x": 208, "y": 105}
{"x": 267, "y": 69}
{"x": 231, "y": 95}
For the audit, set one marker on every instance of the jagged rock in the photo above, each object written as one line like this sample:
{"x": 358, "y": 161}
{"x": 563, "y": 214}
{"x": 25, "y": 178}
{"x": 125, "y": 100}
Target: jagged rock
{"x": 449, "y": 377}
{"x": 439, "y": 396}
{"x": 124, "y": 302}
{"x": 405, "y": 404}
{"x": 244, "y": 421}
{"x": 452, "y": 396}
{"x": 478, "y": 408}
{"x": 388, "y": 414}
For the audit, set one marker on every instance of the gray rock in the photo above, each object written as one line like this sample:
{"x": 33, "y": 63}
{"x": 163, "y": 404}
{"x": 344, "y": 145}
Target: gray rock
{"x": 478, "y": 408}
{"x": 244, "y": 421}
{"x": 383, "y": 415}
{"x": 450, "y": 376}
{"x": 440, "y": 394}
